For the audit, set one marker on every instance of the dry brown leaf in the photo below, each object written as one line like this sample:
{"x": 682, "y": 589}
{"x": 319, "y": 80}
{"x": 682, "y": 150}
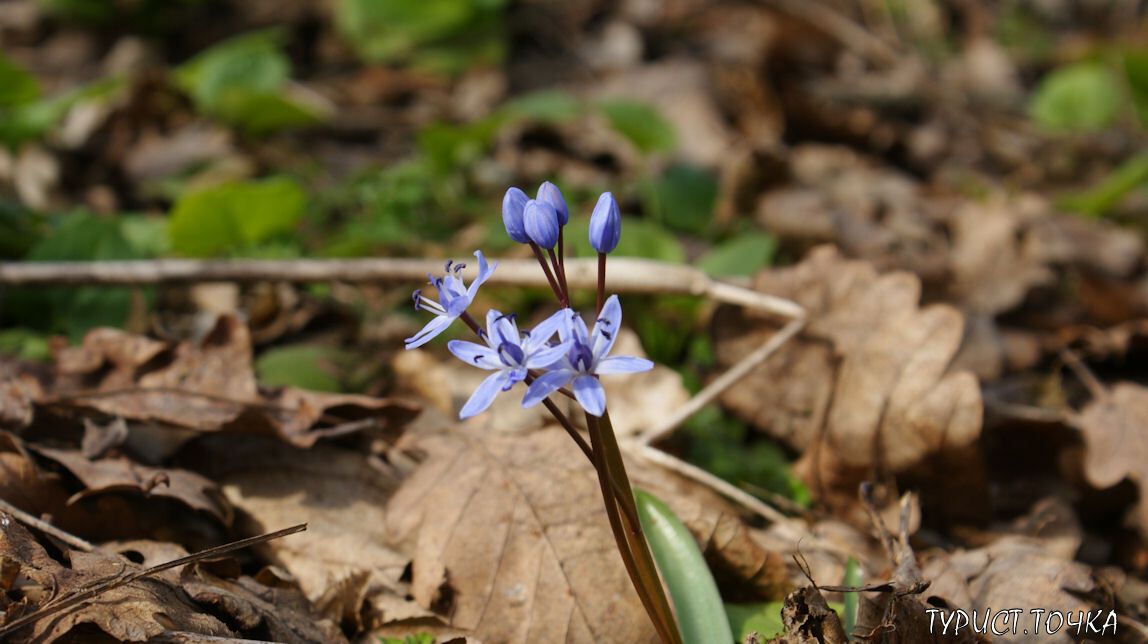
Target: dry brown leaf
{"x": 508, "y": 533}
{"x": 101, "y": 437}
{"x": 340, "y": 494}
{"x": 1115, "y": 429}
{"x": 1011, "y": 572}
{"x": 257, "y": 611}
{"x": 121, "y": 474}
{"x": 207, "y": 387}
{"x": 878, "y": 361}
{"x": 133, "y": 612}
{"x": 510, "y": 542}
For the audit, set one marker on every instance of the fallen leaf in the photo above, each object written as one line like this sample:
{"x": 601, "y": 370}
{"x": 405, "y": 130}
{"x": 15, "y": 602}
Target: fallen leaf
{"x": 871, "y": 365}
{"x": 132, "y": 612}
{"x": 1011, "y": 572}
{"x": 257, "y": 611}
{"x": 338, "y": 493}
{"x": 121, "y": 474}
{"x": 210, "y": 386}
{"x": 1115, "y": 429}
{"x": 508, "y": 533}
{"x": 99, "y": 438}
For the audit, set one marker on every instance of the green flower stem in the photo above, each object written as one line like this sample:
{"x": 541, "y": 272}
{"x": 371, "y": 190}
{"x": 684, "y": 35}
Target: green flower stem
{"x": 631, "y": 542}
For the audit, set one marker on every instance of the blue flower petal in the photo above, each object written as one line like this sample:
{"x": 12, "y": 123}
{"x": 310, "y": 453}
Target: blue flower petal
{"x": 622, "y": 364}
{"x": 590, "y": 394}
{"x": 606, "y": 328}
{"x": 545, "y": 385}
{"x": 547, "y": 356}
{"x": 484, "y": 395}
{"x": 475, "y": 354}
{"x": 484, "y": 273}
{"x": 540, "y": 335}
{"x": 428, "y": 332}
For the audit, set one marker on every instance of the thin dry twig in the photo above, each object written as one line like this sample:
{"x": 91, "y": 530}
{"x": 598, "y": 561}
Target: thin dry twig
{"x": 97, "y": 588}
{"x": 627, "y": 274}
{"x": 47, "y": 528}
{"x": 722, "y": 382}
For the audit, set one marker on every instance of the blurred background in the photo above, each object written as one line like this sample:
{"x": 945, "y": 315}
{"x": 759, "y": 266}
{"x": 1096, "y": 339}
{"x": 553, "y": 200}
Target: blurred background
{"x": 923, "y": 135}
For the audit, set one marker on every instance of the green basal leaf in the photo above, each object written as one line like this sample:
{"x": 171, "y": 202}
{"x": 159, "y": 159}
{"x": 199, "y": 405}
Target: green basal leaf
{"x": 697, "y": 602}
{"x": 763, "y": 618}
{"x": 849, "y": 612}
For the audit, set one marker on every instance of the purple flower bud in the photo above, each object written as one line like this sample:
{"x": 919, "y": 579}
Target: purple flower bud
{"x": 550, "y": 193}
{"x": 605, "y": 224}
{"x": 513, "y": 204}
{"x": 541, "y": 223}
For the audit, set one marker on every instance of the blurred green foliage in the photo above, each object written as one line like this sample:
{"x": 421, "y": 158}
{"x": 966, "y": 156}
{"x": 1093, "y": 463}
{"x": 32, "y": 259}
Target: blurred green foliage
{"x": 722, "y": 445}
{"x": 1082, "y": 96}
{"x": 641, "y": 124}
{"x": 143, "y": 16}
{"x": 76, "y": 236}
{"x": 311, "y": 366}
{"x": 236, "y": 217}
{"x": 244, "y": 81}
{"x": 444, "y": 36}
{"x": 1093, "y": 95}
{"x": 417, "y": 638}
{"x": 740, "y": 256}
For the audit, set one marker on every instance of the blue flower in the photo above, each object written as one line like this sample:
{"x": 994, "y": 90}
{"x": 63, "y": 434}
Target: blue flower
{"x": 541, "y": 223}
{"x": 513, "y": 204}
{"x": 509, "y": 354}
{"x": 586, "y": 359}
{"x": 605, "y": 224}
{"x": 453, "y": 298}
{"x": 550, "y": 193}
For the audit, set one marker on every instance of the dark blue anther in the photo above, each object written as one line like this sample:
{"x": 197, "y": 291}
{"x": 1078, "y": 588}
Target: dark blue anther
{"x": 417, "y": 297}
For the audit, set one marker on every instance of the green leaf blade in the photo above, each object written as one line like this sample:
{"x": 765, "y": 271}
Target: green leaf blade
{"x": 697, "y": 602}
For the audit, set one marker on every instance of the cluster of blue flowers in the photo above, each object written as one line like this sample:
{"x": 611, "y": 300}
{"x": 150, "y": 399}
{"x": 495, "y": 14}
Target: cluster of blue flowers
{"x": 559, "y": 351}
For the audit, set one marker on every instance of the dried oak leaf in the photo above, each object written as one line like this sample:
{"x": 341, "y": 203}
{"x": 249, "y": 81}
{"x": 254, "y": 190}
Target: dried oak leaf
{"x": 120, "y": 474}
{"x": 279, "y": 614}
{"x": 208, "y": 386}
{"x": 132, "y": 612}
{"x": 1011, "y": 572}
{"x": 1115, "y": 429}
{"x": 510, "y": 541}
{"x": 871, "y": 363}
{"x": 339, "y": 493}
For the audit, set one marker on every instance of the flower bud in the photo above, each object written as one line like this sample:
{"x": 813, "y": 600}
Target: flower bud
{"x": 605, "y": 224}
{"x": 512, "y": 211}
{"x": 550, "y": 193}
{"x": 541, "y": 223}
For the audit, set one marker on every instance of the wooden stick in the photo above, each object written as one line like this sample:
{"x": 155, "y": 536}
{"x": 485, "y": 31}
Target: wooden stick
{"x": 627, "y": 275}
{"x": 47, "y": 528}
